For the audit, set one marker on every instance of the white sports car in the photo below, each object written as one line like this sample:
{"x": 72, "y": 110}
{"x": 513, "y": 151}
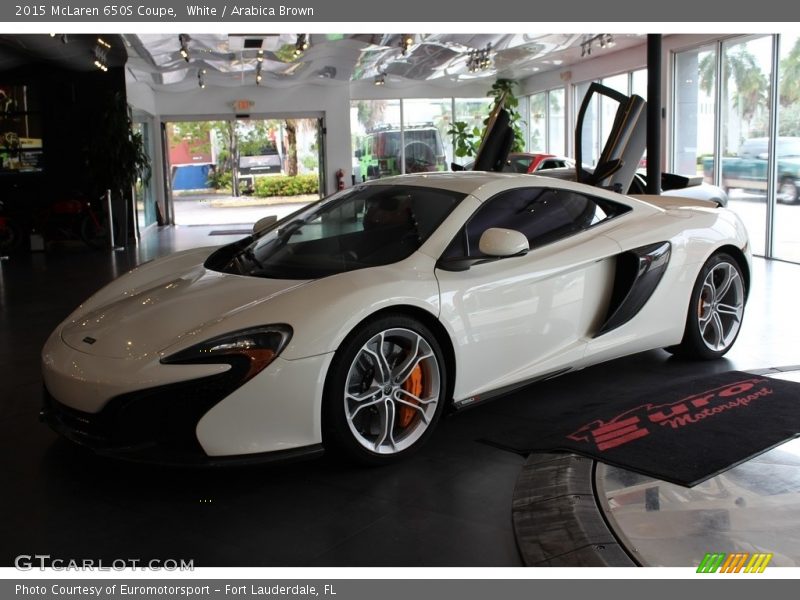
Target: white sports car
{"x": 357, "y": 321}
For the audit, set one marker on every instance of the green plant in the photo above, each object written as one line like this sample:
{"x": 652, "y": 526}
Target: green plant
{"x": 504, "y": 88}
{"x": 118, "y": 154}
{"x": 466, "y": 141}
{"x": 219, "y": 179}
{"x": 284, "y": 185}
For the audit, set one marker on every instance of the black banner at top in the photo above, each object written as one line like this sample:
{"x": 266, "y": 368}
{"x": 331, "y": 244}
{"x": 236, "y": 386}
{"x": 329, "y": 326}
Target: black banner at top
{"x": 416, "y": 11}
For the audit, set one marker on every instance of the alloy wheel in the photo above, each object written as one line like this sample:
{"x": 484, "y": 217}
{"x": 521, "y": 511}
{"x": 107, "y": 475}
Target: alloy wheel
{"x": 720, "y": 306}
{"x": 392, "y": 391}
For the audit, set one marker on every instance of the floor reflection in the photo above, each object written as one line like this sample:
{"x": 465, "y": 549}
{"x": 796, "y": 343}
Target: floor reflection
{"x": 754, "y": 507}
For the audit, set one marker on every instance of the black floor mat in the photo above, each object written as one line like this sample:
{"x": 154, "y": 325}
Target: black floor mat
{"x": 684, "y": 433}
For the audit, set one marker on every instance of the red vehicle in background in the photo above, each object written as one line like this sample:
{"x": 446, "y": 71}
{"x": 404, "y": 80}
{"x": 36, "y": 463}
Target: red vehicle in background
{"x": 530, "y": 162}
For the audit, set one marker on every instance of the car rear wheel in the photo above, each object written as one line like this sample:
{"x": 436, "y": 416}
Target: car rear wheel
{"x": 788, "y": 191}
{"x": 716, "y": 309}
{"x": 385, "y": 391}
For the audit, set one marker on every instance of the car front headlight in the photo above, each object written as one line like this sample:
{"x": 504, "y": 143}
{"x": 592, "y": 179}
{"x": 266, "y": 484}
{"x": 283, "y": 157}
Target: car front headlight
{"x": 247, "y": 351}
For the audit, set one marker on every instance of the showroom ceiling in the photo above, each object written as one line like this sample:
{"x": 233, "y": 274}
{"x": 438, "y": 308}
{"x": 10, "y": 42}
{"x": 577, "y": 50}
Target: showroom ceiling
{"x": 180, "y": 62}
{"x": 73, "y": 51}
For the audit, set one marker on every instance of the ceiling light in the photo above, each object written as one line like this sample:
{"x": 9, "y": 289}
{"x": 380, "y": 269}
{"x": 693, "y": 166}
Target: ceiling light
{"x": 103, "y": 43}
{"x": 201, "y": 79}
{"x": 260, "y": 56}
{"x": 380, "y": 79}
{"x": 99, "y": 56}
{"x": 258, "y": 73}
{"x": 479, "y": 60}
{"x": 301, "y": 45}
{"x": 604, "y": 40}
{"x": 184, "y": 42}
{"x": 405, "y": 43}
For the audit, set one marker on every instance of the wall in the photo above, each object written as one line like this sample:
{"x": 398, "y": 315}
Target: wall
{"x": 70, "y": 104}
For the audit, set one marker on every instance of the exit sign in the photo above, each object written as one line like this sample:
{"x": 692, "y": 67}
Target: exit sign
{"x": 242, "y": 104}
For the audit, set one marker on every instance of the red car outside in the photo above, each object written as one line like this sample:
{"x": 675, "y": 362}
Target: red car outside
{"x": 529, "y": 162}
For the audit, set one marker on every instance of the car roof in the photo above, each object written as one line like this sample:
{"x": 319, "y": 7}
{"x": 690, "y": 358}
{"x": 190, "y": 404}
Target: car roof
{"x": 484, "y": 184}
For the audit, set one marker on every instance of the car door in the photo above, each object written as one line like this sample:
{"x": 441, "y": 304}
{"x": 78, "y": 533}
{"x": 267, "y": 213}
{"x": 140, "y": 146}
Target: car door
{"x": 518, "y": 318}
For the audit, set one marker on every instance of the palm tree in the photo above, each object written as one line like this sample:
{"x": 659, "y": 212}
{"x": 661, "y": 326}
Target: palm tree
{"x": 789, "y": 93}
{"x": 743, "y": 71}
{"x": 291, "y": 147}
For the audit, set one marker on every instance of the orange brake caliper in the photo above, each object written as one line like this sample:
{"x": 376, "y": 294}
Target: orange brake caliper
{"x": 413, "y": 385}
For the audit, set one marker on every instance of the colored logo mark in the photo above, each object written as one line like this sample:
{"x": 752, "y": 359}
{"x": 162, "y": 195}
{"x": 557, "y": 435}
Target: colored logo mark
{"x": 738, "y": 562}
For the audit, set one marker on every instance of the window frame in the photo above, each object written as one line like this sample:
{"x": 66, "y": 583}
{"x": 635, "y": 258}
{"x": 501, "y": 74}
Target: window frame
{"x": 460, "y": 241}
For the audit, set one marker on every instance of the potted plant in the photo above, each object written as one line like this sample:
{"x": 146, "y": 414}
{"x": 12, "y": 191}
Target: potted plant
{"x": 118, "y": 157}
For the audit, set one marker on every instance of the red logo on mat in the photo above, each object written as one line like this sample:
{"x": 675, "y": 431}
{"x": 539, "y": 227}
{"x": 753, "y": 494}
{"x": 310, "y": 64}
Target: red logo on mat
{"x": 640, "y": 421}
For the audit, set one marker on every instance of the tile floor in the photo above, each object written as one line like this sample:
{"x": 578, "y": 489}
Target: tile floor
{"x": 447, "y": 506}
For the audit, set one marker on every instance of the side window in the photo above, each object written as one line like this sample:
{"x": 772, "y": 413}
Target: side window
{"x": 543, "y": 215}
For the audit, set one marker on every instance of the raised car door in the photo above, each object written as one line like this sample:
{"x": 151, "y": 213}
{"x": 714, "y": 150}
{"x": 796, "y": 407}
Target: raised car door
{"x": 519, "y": 318}
{"x": 623, "y": 148}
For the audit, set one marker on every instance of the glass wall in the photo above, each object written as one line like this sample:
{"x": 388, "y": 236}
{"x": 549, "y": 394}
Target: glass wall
{"x": 732, "y": 141}
{"x": 639, "y": 83}
{"x": 694, "y": 110}
{"x": 426, "y": 123}
{"x": 591, "y": 149}
{"x": 787, "y": 211}
{"x": 547, "y": 128}
{"x": 471, "y": 111}
{"x": 537, "y": 107}
{"x": 600, "y": 114}
{"x": 392, "y": 137}
{"x": 744, "y": 144}
{"x": 608, "y": 107}
{"x": 556, "y": 123}
{"x": 144, "y": 197}
{"x": 375, "y": 138}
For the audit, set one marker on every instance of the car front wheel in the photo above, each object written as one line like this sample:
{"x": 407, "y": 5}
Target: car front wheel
{"x": 716, "y": 309}
{"x": 385, "y": 391}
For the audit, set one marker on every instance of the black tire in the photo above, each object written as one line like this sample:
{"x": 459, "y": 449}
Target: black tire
{"x": 353, "y": 423}
{"x": 704, "y": 311}
{"x": 788, "y": 191}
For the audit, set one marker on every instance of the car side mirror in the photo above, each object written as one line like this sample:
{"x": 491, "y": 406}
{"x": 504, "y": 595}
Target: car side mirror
{"x": 503, "y": 242}
{"x": 264, "y": 223}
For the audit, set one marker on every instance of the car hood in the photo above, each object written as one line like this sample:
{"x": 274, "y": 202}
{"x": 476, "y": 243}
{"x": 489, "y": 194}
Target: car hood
{"x": 155, "y": 317}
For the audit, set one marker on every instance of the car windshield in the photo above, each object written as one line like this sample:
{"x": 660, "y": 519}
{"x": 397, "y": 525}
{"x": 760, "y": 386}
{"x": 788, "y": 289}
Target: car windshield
{"x": 365, "y": 226}
{"x": 390, "y": 141}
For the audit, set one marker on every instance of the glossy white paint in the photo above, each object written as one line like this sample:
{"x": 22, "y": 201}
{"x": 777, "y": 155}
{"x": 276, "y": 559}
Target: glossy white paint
{"x": 508, "y": 320}
{"x": 496, "y": 241}
{"x": 279, "y": 410}
{"x": 517, "y": 318}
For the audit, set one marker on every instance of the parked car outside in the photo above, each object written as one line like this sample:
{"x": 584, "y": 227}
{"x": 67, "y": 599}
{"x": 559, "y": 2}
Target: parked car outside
{"x": 380, "y": 153}
{"x": 748, "y": 170}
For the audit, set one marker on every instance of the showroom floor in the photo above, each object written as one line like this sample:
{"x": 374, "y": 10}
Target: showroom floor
{"x": 448, "y": 506}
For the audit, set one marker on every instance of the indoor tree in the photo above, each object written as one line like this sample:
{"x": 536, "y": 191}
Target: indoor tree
{"x": 118, "y": 156}
{"x": 466, "y": 140}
